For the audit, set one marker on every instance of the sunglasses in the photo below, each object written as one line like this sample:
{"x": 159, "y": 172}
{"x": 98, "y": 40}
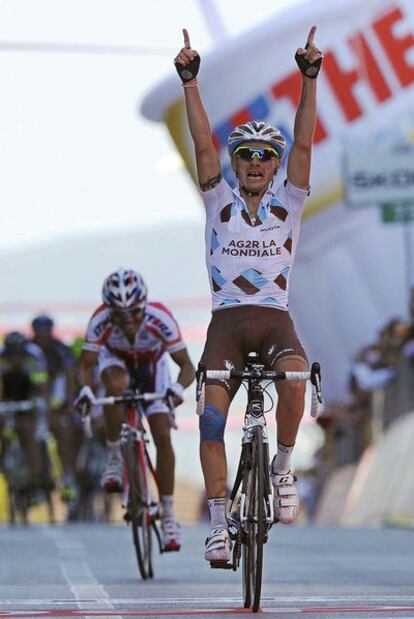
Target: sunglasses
{"x": 263, "y": 154}
{"x": 122, "y": 314}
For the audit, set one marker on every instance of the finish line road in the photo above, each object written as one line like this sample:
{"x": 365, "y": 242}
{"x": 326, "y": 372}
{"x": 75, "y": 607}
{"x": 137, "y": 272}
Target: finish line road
{"x": 90, "y": 571}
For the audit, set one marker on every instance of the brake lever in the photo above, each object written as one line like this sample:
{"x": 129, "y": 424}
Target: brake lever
{"x": 316, "y": 379}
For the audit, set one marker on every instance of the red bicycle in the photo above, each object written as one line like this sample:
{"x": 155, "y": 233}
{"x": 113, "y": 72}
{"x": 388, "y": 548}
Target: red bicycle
{"x": 141, "y": 493}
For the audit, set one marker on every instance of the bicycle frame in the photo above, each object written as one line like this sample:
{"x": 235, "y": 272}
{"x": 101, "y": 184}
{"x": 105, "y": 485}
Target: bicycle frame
{"x": 250, "y": 422}
{"x": 134, "y": 428}
{"x": 255, "y": 416}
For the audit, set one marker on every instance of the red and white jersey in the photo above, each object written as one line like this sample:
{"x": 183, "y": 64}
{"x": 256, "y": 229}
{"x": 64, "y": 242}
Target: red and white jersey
{"x": 158, "y": 334}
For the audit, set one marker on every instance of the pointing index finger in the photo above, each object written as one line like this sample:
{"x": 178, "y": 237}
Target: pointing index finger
{"x": 311, "y": 36}
{"x": 187, "y": 43}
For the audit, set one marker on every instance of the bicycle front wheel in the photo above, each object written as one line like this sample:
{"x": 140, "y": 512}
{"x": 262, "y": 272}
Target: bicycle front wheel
{"x": 255, "y": 526}
{"x": 138, "y": 506}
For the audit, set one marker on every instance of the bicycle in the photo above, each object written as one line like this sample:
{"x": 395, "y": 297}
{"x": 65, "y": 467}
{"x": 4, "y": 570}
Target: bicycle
{"x": 142, "y": 510}
{"x": 249, "y": 509}
{"x": 89, "y": 465}
{"x": 14, "y": 465}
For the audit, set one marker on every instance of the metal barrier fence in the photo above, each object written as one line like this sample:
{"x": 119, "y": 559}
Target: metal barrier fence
{"x": 396, "y": 398}
{"x": 355, "y": 426}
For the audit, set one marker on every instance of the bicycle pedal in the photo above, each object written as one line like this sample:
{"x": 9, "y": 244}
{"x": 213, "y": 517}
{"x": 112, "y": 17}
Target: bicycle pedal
{"x": 233, "y": 533}
{"x": 221, "y": 565}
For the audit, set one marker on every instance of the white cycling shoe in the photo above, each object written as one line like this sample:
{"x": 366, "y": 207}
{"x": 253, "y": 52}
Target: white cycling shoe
{"x": 285, "y": 498}
{"x": 171, "y": 534}
{"x": 113, "y": 475}
{"x": 218, "y": 546}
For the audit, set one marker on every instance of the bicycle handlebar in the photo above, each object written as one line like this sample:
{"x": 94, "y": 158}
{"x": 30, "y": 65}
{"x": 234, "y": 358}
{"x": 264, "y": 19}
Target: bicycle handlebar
{"x": 17, "y": 406}
{"x": 257, "y": 372}
{"x": 245, "y": 374}
{"x": 129, "y": 397}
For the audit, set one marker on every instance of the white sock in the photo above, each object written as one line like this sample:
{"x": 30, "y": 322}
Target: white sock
{"x": 167, "y": 504}
{"x": 217, "y": 507}
{"x": 281, "y": 461}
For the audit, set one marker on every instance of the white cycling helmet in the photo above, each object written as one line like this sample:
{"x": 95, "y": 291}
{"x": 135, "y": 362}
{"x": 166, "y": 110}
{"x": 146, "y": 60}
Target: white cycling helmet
{"x": 257, "y": 131}
{"x": 124, "y": 289}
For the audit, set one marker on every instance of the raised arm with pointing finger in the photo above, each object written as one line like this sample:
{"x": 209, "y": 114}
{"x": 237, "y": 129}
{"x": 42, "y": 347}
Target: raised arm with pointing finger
{"x": 207, "y": 160}
{"x": 309, "y": 61}
{"x": 251, "y": 234}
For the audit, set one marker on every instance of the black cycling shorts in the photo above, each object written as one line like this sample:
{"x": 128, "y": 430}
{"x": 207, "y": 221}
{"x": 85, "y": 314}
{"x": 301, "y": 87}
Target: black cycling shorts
{"x": 234, "y": 332}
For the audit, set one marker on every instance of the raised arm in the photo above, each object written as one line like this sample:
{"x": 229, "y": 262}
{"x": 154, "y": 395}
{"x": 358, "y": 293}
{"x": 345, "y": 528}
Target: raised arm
{"x": 299, "y": 161}
{"x": 208, "y": 164}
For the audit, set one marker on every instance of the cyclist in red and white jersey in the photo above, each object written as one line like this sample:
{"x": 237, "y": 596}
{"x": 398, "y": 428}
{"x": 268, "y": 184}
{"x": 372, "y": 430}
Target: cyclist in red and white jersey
{"x": 129, "y": 337}
{"x": 251, "y": 239}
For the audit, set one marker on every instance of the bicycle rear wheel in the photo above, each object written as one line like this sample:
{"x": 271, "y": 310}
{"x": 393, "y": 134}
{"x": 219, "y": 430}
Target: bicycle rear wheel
{"x": 255, "y": 527}
{"x": 17, "y": 478}
{"x": 138, "y": 506}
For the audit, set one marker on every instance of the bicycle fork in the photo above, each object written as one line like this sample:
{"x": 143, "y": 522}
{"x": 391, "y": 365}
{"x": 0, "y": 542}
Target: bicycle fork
{"x": 239, "y": 518}
{"x": 128, "y": 435}
{"x": 251, "y": 422}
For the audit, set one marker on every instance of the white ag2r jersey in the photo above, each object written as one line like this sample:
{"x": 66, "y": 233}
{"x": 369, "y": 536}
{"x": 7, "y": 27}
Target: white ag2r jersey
{"x": 249, "y": 261}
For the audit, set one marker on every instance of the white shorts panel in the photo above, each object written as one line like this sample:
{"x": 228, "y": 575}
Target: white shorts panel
{"x": 107, "y": 359}
{"x": 161, "y": 383}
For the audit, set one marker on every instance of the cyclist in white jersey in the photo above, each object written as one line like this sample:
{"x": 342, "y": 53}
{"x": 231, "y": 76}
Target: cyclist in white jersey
{"x": 129, "y": 338}
{"x": 251, "y": 238}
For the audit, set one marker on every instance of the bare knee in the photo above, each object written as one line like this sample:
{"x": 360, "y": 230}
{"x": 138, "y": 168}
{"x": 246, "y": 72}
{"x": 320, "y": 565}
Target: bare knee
{"x": 291, "y": 391}
{"x": 115, "y": 380}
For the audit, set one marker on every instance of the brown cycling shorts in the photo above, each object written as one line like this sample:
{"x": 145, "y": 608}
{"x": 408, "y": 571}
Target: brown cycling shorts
{"x": 234, "y": 332}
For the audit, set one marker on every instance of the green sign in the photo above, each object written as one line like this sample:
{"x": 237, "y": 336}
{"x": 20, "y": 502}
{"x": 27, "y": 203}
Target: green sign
{"x": 392, "y": 212}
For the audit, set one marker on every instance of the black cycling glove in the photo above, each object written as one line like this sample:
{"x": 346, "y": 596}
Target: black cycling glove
{"x": 310, "y": 69}
{"x": 189, "y": 72}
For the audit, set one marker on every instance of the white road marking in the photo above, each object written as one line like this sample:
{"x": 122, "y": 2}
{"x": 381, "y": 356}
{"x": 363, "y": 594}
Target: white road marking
{"x": 75, "y": 570}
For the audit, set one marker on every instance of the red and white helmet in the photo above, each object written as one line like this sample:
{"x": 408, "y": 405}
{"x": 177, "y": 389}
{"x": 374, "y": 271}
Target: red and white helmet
{"x": 257, "y": 131}
{"x": 124, "y": 289}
